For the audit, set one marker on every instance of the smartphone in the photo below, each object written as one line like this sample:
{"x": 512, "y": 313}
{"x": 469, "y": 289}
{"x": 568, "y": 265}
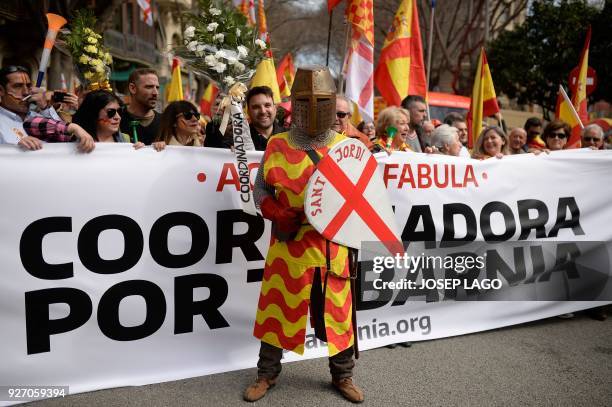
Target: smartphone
{"x": 58, "y": 97}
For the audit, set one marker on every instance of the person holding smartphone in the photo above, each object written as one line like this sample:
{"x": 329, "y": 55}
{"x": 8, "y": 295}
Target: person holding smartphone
{"x": 65, "y": 104}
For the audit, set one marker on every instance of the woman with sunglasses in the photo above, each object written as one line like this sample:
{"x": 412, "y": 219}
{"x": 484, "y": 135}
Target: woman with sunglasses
{"x": 556, "y": 134}
{"x": 179, "y": 126}
{"x": 99, "y": 116}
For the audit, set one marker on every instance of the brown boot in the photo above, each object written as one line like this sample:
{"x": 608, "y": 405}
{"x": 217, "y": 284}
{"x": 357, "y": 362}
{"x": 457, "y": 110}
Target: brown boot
{"x": 259, "y": 389}
{"x": 347, "y": 388}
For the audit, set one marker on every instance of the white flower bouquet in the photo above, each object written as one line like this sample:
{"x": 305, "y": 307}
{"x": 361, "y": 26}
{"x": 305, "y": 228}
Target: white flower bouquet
{"x": 220, "y": 44}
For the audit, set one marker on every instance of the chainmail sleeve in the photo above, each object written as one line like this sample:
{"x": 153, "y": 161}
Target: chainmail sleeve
{"x": 261, "y": 189}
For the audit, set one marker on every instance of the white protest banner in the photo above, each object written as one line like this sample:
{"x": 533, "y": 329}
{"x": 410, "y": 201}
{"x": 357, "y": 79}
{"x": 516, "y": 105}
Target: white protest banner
{"x": 127, "y": 267}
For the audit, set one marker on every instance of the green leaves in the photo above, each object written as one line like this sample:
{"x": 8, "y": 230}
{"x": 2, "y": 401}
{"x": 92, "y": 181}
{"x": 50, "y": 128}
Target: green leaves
{"x": 531, "y": 61}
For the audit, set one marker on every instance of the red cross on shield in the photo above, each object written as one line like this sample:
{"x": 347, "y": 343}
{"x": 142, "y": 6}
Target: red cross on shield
{"x": 346, "y": 199}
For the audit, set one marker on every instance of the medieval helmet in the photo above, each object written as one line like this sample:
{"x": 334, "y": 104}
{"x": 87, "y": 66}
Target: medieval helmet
{"x": 313, "y": 100}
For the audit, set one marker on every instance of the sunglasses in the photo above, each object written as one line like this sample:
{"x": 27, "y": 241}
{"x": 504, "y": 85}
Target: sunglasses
{"x": 558, "y": 135}
{"x": 14, "y": 68}
{"x": 110, "y": 113}
{"x": 592, "y": 139}
{"x": 341, "y": 115}
{"x": 189, "y": 115}
{"x": 533, "y": 133}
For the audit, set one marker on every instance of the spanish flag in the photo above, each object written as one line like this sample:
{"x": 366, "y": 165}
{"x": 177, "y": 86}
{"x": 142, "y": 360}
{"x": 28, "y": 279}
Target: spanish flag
{"x": 484, "y": 101}
{"x": 579, "y": 96}
{"x": 208, "y": 100}
{"x": 175, "y": 88}
{"x": 285, "y": 73}
{"x": 401, "y": 70}
{"x": 565, "y": 111}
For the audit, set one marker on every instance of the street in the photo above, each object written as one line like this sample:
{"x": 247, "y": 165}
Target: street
{"x": 549, "y": 362}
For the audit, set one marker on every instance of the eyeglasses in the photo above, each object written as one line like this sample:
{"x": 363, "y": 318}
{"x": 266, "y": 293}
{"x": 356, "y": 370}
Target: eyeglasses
{"x": 110, "y": 113}
{"x": 591, "y": 139}
{"x": 189, "y": 115}
{"x": 342, "y": 115}
{"x": 533, "y": 133}
{"x": 557, "y": 135}
{"x": 14, "y": 68}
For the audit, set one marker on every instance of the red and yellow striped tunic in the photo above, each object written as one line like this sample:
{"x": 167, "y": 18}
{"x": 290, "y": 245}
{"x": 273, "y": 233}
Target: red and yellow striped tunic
{"x": 290, "y": 266}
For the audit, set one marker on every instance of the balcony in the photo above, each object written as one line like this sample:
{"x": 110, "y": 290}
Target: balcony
{"x": 131, "y": 48}
{"x": 183, "y": 4}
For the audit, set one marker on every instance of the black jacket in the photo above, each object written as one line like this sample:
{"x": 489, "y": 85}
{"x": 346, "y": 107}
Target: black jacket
{"x": 215, "y": 139}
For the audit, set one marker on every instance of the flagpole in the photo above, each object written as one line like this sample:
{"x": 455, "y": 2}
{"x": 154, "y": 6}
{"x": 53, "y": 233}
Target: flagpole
{"x": 430, "y": 48}
{"x": 500, "y": 120}
{"x": 572, "y": 108}
{"x": 329, "y": 30}
{"x": 344, "y": 63}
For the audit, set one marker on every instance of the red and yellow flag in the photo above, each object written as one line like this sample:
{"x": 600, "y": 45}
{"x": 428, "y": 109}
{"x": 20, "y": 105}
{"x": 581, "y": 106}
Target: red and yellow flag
{"x": 263, "y": 26}
{"x": 331, "y": 4}
{"x": 246, "y": 7}
{"x": 175, "y": 88}
{"x": 401, "y": 69}
{"x": 564, "y": 110}
{"x": 265, "y": 73}
{"x": 360, "y": 13}
{"x": 359, "y": 62}
{"x": 484, "y": 100}
{"x": 285, "y": 73}
{"x": 579, "y": 96}
{"x": 208, "y": 100}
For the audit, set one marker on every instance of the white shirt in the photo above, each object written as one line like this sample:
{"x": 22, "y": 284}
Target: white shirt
{"x": 464, "y": 152}
{"x": 11, "y": 127}
{"x": 11, "y": 124}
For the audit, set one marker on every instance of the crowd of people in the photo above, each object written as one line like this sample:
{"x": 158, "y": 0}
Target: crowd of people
{"x": 30, "y": 116}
